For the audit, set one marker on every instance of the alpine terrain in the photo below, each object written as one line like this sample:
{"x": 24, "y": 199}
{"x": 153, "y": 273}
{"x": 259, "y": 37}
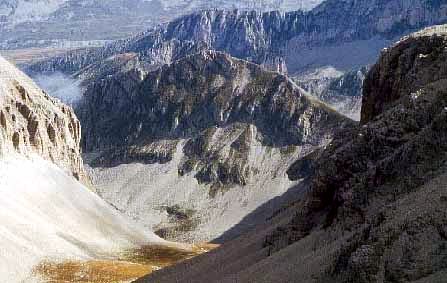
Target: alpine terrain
{"x": 375, "y": 209}
{"x": 223, "y": 141}
{"x": 196, "y": 145}
{"x": 188, "y": 140}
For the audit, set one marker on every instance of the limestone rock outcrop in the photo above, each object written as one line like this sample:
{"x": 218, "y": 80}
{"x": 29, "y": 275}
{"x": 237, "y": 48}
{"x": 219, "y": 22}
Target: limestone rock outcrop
{"x": 31, "y": 122}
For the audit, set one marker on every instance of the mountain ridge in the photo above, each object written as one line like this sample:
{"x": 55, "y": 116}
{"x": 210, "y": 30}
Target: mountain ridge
{"x": 84, "y": 23}
{"x": 282, "y": 41}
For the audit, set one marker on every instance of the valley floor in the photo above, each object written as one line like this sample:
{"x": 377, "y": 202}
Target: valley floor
{"x": 31, "y": 55}
{"x": 127, "y": 267}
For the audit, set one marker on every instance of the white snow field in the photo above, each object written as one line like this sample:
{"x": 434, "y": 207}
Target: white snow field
{"x": 45, "y": 214}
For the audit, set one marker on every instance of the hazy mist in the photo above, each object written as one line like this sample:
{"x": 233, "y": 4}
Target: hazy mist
{"x": 61, "y": 86}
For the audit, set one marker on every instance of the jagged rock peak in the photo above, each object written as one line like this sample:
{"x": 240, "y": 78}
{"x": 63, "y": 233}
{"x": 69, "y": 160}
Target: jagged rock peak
{"x": 404, "y": 69}
{"x": 31, "y": 122}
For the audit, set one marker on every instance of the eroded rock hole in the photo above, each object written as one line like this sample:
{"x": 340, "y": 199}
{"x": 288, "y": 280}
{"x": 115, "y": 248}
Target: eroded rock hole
{"x": 16, "y": 140}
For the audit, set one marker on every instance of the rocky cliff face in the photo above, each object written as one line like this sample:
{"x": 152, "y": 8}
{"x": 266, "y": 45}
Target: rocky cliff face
{"x": 404, "y": 69}
{"x": 291, "y": 42}
{"x": 376, "y": 207}
{"x": 31, "y": 122}
{"x": 342, "y": 91}
{"x": 218, "y": 126}
{"x": 83, "y": 23}
{"x": 365, "y": 181}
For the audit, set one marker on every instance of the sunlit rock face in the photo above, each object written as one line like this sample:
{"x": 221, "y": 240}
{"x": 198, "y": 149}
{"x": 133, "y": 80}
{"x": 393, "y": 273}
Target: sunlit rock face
{"x": 32, "y": 122}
